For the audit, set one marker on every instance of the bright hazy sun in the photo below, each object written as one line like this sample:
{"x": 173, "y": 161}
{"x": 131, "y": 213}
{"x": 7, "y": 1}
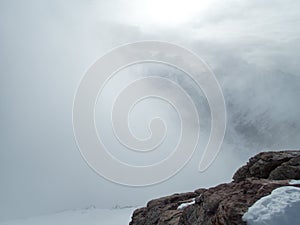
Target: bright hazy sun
{"x": 168, "y": 12}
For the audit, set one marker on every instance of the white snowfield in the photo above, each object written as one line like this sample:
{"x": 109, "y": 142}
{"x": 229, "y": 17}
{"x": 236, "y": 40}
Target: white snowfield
{"x": 281, "y": 207}
{"x": 79, "y": 217}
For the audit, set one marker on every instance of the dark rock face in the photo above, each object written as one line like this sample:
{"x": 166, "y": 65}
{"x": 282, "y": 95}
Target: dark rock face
{"x": 162, "y": 211}
{"x": 224, "y": 204}
{"x": 271, "y": 165}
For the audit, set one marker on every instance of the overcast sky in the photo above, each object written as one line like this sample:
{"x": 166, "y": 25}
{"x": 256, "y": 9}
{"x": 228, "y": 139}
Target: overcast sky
{"x": 253, "y": 47}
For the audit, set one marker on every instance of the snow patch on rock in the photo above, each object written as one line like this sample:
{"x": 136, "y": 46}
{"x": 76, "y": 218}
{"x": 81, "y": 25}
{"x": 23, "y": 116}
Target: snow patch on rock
{"x": 294, "y": 182}
{"x": 186, "y": 204}
{"x": 282, "y": 206}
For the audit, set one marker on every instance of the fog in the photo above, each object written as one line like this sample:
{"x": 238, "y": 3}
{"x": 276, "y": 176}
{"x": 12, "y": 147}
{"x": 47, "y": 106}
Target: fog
{"x": 46, "y": 47}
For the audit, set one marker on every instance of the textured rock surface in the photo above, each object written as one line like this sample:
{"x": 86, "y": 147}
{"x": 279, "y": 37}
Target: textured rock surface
{"x": 225, "y": 204}
{"x": 162, "y": 210}
{"x": 271, "y": 165}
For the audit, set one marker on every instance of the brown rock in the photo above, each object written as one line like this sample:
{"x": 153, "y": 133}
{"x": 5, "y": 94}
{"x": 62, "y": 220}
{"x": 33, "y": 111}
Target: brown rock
{"x": 287, "y": 170}
{"x": 225, "y": 204}
{"x": 162, "y": 211}
{"x": 263, "y": 164}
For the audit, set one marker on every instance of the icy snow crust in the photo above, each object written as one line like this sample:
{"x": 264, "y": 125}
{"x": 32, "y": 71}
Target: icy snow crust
{"x": 294, "y": 182}
{"x": 281, "y": 207}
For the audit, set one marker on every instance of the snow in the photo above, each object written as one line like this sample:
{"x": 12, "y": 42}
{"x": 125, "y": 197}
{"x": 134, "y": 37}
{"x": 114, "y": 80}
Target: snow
{"x": 294, "y": 182}
{"x": 282, "y": 206}
{"x": 183, "y": 205}
{"x": 90, "y": 216}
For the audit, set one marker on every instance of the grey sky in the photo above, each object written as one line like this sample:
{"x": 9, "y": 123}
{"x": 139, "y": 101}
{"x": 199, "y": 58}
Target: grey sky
{"x": 46, "y": 46}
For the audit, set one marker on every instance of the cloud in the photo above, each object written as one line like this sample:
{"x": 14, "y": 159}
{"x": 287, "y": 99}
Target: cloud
{"x": 46, "y": 46}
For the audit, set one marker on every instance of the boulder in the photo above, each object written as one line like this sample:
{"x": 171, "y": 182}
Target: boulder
{"x": 226, "y": 203}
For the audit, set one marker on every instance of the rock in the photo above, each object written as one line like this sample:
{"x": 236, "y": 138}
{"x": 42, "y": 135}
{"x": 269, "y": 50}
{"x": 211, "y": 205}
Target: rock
{"x": 162, "y": 211}
{"x": 264, "y": 165}
{"x": 225, "y": 204}
{"x": 287, "y": 170}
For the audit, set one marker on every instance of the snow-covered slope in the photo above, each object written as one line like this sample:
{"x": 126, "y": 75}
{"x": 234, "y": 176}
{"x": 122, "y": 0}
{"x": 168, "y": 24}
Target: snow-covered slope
{"x": 281, "y": 207}
{"x": 79, "y": 217}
